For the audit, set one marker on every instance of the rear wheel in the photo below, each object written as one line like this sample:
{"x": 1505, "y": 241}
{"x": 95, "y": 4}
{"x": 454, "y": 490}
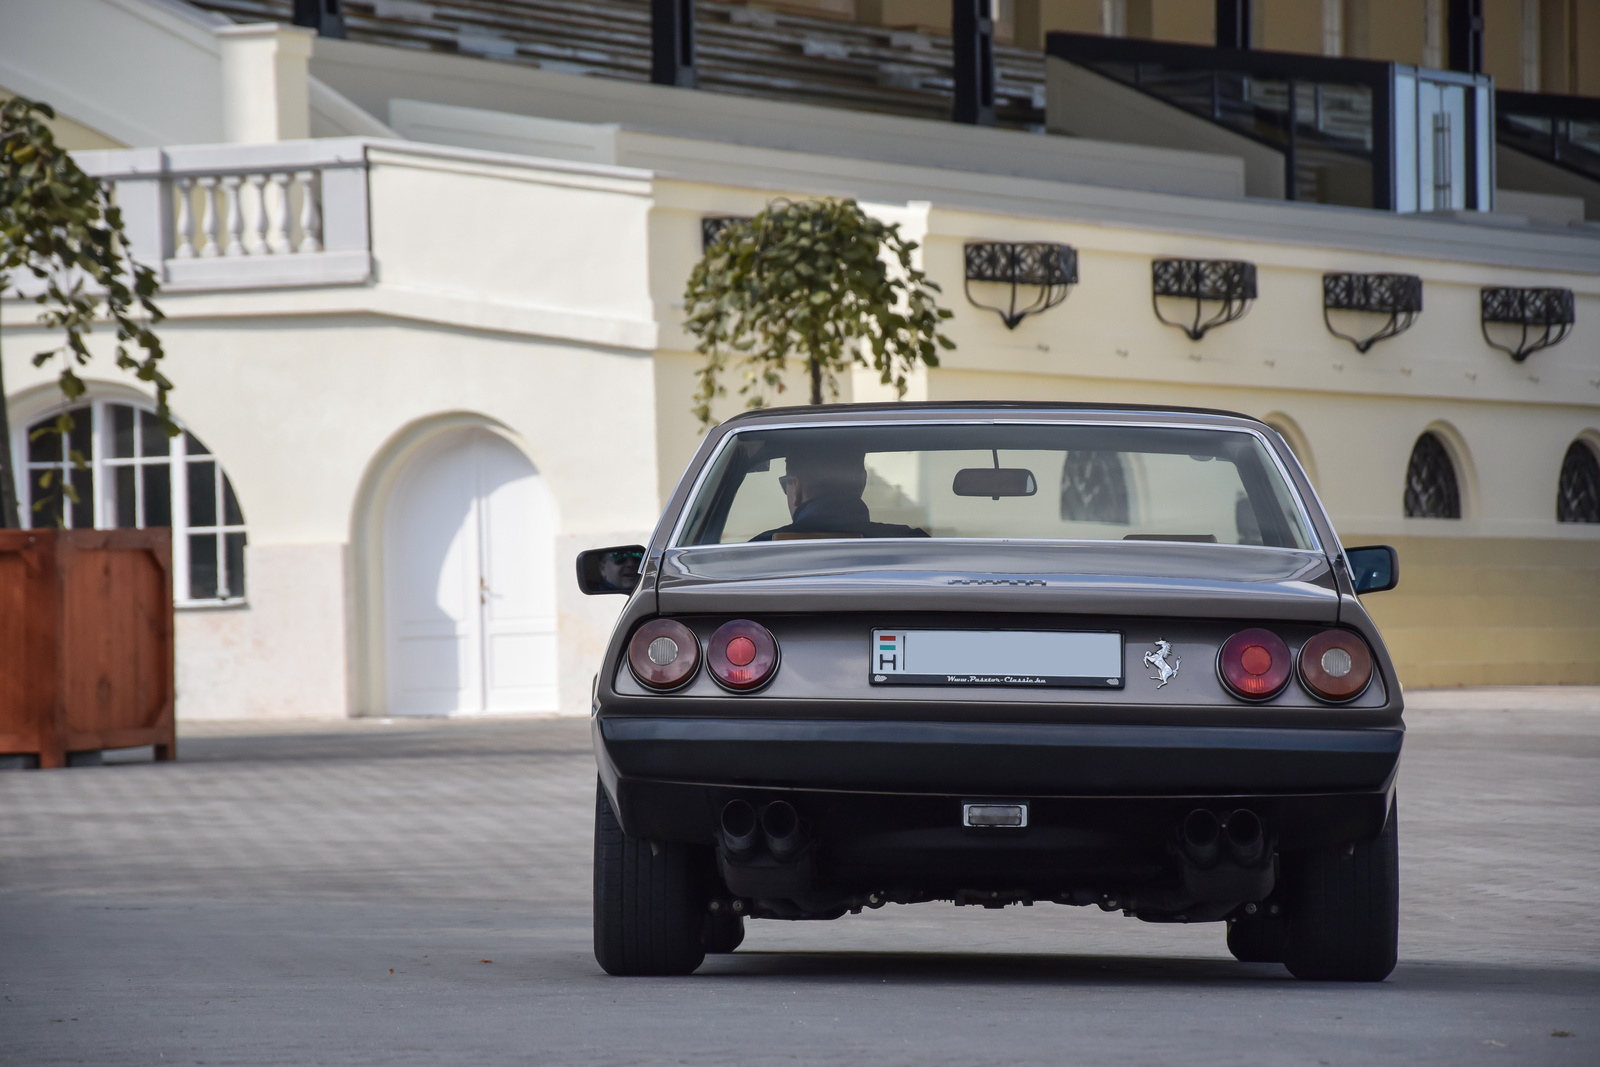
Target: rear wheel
{"x": 648, "y": 908}
{"x": 1344, "y": 909}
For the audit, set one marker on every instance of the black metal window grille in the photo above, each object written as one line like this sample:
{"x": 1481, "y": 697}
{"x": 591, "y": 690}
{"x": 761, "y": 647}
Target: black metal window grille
{"x": 1094, "y": 488}
{"x": 1397, "y": 295}
{"x": 1544, "y": 317}
{"x": 1227, "y": 284}
{"x": 712, "y": 226}
{"x": 1050, "y": 269}
{"x": 1578, "y": 496}
{"x": 1432, "y": 491}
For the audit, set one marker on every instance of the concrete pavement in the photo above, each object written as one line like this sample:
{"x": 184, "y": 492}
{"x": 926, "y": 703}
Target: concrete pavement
{"x": 411, "y": 893}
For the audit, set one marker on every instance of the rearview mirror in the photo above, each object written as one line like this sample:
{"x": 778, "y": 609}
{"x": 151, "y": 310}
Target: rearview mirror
{"x": 994, "y": 482}
{"x": 1373, "y": 568}
{"x": 610, "y": 570}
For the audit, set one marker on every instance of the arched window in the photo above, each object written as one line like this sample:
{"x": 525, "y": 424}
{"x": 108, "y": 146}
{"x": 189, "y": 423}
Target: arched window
{"x": 1578, "y": 496}
{"x": 1432, "y": 491}
{"x": 1094, "y": 487}
{"x": 124, "y": 471}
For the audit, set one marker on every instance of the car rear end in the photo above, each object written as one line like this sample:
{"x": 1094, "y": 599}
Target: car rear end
{"x": 1155, "y": 723}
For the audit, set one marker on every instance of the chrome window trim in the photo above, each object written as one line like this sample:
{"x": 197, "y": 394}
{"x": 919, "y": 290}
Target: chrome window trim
{"x": 1310, "y": 527}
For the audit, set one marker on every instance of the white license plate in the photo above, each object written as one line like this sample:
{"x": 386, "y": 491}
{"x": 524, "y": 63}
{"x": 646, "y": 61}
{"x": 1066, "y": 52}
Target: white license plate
{"x": 1026, "y": 658}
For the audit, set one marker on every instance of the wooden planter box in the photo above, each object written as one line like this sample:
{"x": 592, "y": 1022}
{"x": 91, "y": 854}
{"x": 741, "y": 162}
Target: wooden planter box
{"x": 85, "y": 642}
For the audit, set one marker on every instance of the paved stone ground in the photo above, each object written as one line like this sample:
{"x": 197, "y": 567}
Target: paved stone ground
{"x": 334, "y": 894}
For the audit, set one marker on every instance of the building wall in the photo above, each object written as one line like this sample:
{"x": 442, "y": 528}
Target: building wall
{"x": 302, "y": 417}
{"x": 1504, "y": 595}
{"x": 510, "y": 295}
{"x": 69, "y": 132}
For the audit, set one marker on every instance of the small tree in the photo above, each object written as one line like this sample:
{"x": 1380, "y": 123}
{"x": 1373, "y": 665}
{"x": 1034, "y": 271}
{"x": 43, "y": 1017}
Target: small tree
{"x": 59, "y": 225}
{"x": 815, "y": 280}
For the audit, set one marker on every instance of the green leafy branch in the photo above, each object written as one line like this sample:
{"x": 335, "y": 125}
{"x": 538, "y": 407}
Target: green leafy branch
{"x": 818, "y": 281}
{"x": 60, "y": 225}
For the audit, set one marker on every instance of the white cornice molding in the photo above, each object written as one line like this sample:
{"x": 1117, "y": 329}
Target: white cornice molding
{"x": 628, "y": 180}
{"x": 563, "y": 325}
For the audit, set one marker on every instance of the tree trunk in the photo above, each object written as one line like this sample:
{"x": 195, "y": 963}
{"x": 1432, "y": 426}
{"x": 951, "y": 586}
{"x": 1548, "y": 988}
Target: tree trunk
{"x": 9, "y": 518}
{"x": 816, "y": 379}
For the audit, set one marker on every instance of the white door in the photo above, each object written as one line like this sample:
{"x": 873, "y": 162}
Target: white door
{"x": 469, "y": 571}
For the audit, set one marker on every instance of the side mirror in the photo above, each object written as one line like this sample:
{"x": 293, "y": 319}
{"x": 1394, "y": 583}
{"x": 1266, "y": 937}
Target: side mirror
{"x": 1373, "y": 568}
{"x": 610, "y": 570}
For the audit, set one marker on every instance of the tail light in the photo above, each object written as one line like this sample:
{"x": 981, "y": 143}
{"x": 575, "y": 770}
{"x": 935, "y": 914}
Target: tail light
{"x": 1255, "y": 664}
{"x": 1335, "y": 665}
{"x": 663, "y": 654}
{"x": 742, "y": 655}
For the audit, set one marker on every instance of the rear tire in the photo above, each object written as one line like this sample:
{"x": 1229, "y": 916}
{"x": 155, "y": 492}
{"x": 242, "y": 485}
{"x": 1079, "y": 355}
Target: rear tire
{"x": 648, "y": 910}
{"x": 1344, "y": 909}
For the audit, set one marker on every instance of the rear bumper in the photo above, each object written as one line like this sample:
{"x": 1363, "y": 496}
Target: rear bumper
{"x": 669, "y": 776}
{"x": 1007, "y": 758}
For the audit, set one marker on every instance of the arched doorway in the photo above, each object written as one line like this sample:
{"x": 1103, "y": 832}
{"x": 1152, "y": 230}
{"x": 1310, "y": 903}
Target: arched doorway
{"x": 469, "y": 573}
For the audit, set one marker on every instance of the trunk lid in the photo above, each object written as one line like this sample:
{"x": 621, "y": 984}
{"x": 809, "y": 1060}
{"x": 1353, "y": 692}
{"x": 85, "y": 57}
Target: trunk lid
{"x": 1145, "y": 578}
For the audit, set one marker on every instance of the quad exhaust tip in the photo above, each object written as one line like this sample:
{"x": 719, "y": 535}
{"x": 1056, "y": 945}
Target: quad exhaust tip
{"x": 780, "y": 828}
{"x": 1206, "y": 838}
{"x": 777, "y": 826}
{"x": 1246, "y": 843}
{"x": 1202, "y": 837}
{"x": 741, "y": 831}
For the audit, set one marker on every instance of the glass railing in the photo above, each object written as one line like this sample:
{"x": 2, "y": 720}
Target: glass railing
{"x": 1564, "y": 130}
{"x": 1354, "y": 132}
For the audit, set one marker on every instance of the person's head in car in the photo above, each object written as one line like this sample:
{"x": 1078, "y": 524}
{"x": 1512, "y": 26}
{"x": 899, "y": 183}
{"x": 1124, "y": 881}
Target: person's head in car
{"x": 826, "y": 479}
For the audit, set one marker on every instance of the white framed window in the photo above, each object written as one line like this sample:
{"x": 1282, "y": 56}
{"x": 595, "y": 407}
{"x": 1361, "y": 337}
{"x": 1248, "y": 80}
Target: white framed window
{"x": 136, "y": 476}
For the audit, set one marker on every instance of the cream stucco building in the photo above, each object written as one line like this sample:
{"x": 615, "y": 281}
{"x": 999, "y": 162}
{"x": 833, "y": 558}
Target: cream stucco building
{"x": 423, "y": 316}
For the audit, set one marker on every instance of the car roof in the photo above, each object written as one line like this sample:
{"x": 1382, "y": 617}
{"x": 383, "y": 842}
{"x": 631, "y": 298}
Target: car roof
{"x": 983, "y": 409}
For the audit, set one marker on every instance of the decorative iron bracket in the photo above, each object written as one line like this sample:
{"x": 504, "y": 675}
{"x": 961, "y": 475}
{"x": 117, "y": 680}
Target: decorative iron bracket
{"x": 1548, "y": 311}
{"x": 1231, "y": 283}
{"x": 1397, "y": 295}
{"x": 1052, "y": 268}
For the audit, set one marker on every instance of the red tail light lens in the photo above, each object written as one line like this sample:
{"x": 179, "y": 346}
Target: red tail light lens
{"x": 742, "y": 655}
{"x": 1255, "y": 664}
{"x": 1335, "y": 665}
{"x": 663, "y": 654}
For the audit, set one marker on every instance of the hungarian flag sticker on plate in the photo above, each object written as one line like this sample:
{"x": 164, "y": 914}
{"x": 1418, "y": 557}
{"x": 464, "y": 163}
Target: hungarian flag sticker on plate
{"x": 1028, "y": 658}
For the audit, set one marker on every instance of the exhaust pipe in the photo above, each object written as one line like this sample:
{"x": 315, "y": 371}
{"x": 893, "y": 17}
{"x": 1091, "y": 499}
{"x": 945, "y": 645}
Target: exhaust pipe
{"x": 740, "y": 832}
{"x": 1245, "y": 842}
{"x": 780, "y": 826}
{"x": 1202, "y": 837}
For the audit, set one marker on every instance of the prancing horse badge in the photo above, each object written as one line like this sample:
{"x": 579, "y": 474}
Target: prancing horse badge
{"x": 1165, "y": 672}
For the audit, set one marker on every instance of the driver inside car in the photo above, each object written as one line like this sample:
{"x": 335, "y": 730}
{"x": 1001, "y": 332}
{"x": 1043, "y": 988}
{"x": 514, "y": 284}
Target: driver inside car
{"x": 824, "y": 488}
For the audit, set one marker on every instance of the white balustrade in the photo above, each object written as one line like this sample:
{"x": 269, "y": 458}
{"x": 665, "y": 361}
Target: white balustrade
{"x": 230, "y": 195}
{"x": 185, "y": 227}
{"x": 278, "y": 238}
{"x": 245, "y": 216}
{"x": 208, "y": 218}
{"x": 310, "y": 212}
{"x": 257, "y": 245}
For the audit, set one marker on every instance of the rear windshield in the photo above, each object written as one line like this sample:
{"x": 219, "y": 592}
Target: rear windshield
{"x": 1032, "y": 482}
